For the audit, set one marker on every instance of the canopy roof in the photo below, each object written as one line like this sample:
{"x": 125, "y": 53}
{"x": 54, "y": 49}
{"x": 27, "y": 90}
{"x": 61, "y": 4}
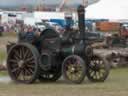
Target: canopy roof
{"x": 70, "y": 3}
{"x": 56, "y": 3}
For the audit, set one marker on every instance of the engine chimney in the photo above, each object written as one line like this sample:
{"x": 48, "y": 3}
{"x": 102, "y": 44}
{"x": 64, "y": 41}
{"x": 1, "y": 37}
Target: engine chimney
{"x": 81, "y": 21}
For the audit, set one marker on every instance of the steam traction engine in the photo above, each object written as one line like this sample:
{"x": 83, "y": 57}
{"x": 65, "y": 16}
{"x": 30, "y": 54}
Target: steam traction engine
{"x": 51, "y": 56}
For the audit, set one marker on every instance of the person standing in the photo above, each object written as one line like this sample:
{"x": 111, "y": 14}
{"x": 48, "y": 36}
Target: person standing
{"x": 1, "y": 30}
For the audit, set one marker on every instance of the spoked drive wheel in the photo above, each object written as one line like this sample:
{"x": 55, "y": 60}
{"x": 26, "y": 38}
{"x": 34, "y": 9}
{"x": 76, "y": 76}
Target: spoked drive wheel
{"x": 98, "y": 69}
{"x": 22, "y": 63}
{"x": 74, "y": 69}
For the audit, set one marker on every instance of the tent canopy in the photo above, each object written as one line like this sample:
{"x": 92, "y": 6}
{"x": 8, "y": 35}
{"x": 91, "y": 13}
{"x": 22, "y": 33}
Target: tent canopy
{"x": 73, "y": 3}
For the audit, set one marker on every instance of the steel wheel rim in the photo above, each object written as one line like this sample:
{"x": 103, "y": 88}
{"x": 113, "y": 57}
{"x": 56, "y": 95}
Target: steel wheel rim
{"x": 74, "y": 69}
{"x": 21, "y": 64}
{"x": 97, "y": 68}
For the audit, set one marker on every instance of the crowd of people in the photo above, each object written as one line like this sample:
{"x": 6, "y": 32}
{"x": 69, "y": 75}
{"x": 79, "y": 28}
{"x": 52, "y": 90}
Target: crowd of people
{"x": 20, "y": 27}
{"x": 5, "y": 28}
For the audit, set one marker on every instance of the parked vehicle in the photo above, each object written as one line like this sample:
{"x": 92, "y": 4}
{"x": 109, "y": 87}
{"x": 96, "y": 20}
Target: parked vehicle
{"x": 95, "y": 36}
{"x": 49, "y": 56}
{"x": 106, "y": 26}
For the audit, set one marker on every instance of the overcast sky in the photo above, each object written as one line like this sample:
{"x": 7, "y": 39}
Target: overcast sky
{"x": 112, "y": 9}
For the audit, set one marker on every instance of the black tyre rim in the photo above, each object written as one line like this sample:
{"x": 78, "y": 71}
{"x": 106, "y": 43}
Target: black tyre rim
{"x": 22, "y": 63}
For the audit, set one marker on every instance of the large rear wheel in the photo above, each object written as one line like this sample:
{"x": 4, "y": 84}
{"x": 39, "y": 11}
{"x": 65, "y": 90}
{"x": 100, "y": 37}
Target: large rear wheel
{"x": 23, "y": 63}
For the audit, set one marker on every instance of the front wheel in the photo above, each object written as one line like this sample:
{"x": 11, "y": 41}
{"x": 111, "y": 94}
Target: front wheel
{"x": 74, "y": 69}
{"x": 98, "y": 69}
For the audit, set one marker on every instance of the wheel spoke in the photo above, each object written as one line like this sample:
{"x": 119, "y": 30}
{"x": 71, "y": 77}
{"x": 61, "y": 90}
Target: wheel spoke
{"x": 21, "y": 76}
{"x": 100, "y": 74}
{"x": 29, "y": 59}
{"x": 68, "y": 62}
{"x": 20, "y": 53}
{"x": 17, "y": 53}
{"x": 94, "y": 75}
{"x": 17, "y": 74}
{"x": 26, "y": 53}
{"x": 15, "y": 57}
{"x": 13, "y": 60}
{"x": 28, "y": 73}
{"x": 31, "y": 66}
{"x": 31, "y": 62}
{"x": 30, "y": 70}
{"x": 15, "y": 70}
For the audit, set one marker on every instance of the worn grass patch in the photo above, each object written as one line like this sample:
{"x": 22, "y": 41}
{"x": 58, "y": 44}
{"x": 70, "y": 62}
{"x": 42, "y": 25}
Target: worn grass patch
{"x": 10, "y": 34}
{"x": 2, "y": 56}
{"x": 3, "y": 73}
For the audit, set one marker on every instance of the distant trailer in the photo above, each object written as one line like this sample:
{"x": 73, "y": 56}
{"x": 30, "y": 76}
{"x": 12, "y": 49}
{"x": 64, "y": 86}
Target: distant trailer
{"x": 106, "y": 26}
{"x": 61, "y": 22}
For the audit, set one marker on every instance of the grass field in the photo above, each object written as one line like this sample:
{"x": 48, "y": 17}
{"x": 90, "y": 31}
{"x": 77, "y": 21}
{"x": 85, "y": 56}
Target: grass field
{"x": 115, "y": 85}
{"x": 2, "y": 55}
{"x": 3, "y": 73}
